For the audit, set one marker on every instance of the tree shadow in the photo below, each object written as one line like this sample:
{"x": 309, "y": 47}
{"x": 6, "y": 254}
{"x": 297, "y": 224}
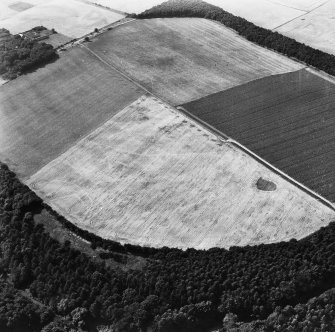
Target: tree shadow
{"x": 40, "y": 65}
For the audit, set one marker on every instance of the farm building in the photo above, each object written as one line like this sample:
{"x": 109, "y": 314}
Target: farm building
{"x": 37, "y": 34}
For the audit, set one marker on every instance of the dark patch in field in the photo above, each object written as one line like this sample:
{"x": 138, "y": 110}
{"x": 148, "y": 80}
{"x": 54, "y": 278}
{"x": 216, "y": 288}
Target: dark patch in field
{"x": 286, "y": 119}
{"x": 20, "y": 6}
{"x": 165, "y": 62}
{"x": 265, "y": 185}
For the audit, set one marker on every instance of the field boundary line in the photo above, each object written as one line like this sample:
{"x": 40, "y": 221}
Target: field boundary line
{"x": 223, "y": 137}
{"x": 276, "y": 170}
{"x": 119, "y": 71}
{"x": 321, "y": 74}
{"x": 286, "y": 6}
{"x": 92, "y": 3}
{"x": 306, "y": 13}
{"x": 27, "y": 179}
{"x": 80, "y": 40}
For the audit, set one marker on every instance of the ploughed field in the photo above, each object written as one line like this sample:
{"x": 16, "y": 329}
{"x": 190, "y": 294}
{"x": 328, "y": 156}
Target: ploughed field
{"x": 286, "y": 119}
{"x": 182, "y": 59}
{"x": 151, "y": 176}
{"x": 45, "y": 112}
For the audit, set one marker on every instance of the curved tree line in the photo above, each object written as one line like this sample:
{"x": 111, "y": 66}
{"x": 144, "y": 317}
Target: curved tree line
{"x": 177, "y": 290}
{"x": 252, "y": 32}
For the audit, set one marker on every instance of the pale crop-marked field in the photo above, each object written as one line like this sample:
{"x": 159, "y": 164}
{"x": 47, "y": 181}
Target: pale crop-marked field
{"x": 268, "y": 13}
{"x": 70, "y": 17}
{"x": 150, "y": 176}
{"x": 128, "y": 6}
{"x": 45, "y": 112}
{"x": 5, "y": 9}
{"x": 304, "y": 5}
{"x": 316, "y": 28}
{"x": 10, "y": 8}
{"x": 261, "y": 12}
{"x": 182, "y": 59}
{"x": 308, "y": 21}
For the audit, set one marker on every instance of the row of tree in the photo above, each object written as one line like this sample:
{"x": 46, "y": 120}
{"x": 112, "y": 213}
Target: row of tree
{"x": 317, "y": 315}
{"x": 177, "y": 290}
{"x": 19, "y": 55}
{"x": 256, "y": 34}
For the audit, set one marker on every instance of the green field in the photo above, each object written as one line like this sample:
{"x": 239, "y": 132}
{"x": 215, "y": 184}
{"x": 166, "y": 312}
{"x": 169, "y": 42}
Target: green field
{"x": 185, "y": 59}
{"x": 45, "y": 112}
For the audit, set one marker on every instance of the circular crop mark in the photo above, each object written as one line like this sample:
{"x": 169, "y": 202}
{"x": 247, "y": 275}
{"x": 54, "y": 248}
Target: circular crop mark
{"x": 266, "y": 185}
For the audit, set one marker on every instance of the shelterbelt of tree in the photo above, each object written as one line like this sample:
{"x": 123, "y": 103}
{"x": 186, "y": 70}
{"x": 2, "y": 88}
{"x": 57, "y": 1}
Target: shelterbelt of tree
{"x": 19, "y": 55}
{"x": 176, "y": 290}
{"x": 261, "y": 36}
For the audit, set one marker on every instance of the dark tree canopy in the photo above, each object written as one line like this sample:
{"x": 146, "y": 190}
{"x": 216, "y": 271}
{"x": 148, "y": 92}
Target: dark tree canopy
{"x": 19, "y": 55}
{"x": 287, "y": 286}
{"x": 177, "y": 290}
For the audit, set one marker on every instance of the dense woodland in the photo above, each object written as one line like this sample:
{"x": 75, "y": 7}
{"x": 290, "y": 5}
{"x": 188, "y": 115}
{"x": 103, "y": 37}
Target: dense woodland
{"x": 18, "y": 313}
{"x": 48, "y": 286}
{"x": 19, "y": 55}
{"x": 177, "y": 290}
{"x": 258, "y": 35}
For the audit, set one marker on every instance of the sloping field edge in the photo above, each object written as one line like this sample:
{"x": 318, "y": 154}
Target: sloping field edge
{"x": 227, "y": 139}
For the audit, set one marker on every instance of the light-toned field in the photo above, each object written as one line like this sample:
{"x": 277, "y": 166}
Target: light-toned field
{"x": 308, "y": 21}
{"x": 150, "y": 176}
{"x": 21, "y": 6}
{"x": 128, "y": 6}
{"x": 7, "y": 7}
{"x": 182, "y": 59}
{"x": 5, "y": 10}
{"x": 261, "y": 12}
{"x": 45, "y": 112}
{"x": 57, "y": 39}
{"x": 315, "y": 28}
{"x": 70, "y": 17}
{"x": 305, "y": 5}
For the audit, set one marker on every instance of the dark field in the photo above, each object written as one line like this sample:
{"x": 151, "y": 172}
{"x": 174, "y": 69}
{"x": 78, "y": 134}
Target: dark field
{"x": 43, "y": 113}
{"x": 288, "y": 119}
